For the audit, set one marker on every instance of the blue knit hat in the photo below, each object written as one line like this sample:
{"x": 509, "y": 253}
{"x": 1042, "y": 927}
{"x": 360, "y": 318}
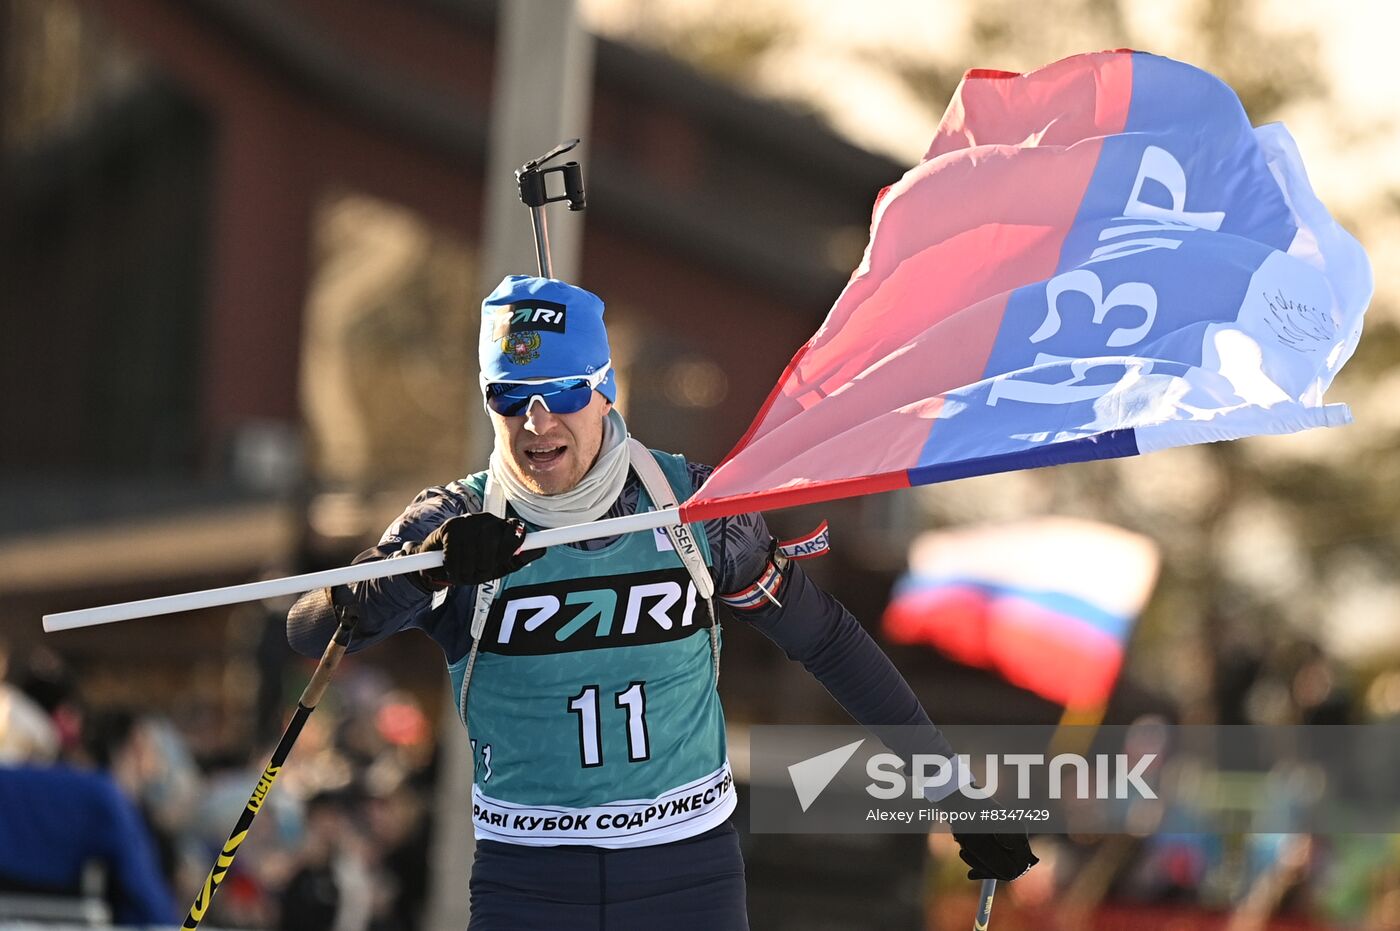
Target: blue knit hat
{"x": 543, "y": 328}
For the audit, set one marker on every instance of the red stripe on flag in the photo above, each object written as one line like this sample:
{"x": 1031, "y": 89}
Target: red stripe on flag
{"x": 809, "y": 493}
{"x": 1059, "y": 658}
{"x": 952, "y": 618}
{"x": 1054, "y": 655}
{"x": 1063, "y": 103}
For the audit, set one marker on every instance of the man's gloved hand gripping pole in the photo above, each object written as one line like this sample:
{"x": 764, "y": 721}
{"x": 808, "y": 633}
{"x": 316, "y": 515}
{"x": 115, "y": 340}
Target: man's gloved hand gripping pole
{"x": 996, "y": 856}
{"x": 475, "y": 548}
{"x": 990, "y": 857}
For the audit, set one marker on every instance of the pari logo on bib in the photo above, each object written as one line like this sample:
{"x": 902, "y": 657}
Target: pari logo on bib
{"x": 538, "y": 329}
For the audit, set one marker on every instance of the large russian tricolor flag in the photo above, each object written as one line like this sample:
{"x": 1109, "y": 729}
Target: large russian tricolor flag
{"x": 1097, "y": 259}
{"x": 1048, "y": 604}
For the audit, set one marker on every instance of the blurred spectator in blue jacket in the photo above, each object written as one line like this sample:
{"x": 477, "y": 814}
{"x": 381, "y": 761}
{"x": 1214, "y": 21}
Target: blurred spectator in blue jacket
{"x": 55, "y": 820}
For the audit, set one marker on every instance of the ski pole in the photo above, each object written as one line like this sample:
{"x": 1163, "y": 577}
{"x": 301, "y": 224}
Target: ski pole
{"x": 310, "y": 696}
{"x": 984, "y": 906}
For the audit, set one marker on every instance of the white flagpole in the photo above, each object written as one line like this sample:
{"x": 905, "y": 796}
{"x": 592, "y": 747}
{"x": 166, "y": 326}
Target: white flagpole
{"x": 296, "y": 584}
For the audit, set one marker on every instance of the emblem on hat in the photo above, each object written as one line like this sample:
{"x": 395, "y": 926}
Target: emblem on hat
{"x": 522, "y": 348}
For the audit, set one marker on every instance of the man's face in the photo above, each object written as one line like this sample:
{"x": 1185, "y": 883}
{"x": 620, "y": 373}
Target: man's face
{"x": 551, "y": 453}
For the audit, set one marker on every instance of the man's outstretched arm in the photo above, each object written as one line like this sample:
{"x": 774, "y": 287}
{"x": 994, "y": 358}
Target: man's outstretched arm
{"x": 815, "y": 629}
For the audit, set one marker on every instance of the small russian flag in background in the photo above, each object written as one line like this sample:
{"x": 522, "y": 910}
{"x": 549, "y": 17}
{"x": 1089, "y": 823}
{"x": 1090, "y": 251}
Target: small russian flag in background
{"x": 1048, "y": 604}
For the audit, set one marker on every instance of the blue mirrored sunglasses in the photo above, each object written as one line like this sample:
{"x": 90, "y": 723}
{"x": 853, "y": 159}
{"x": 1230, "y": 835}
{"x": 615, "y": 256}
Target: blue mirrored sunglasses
{"x": 558, "y": 395}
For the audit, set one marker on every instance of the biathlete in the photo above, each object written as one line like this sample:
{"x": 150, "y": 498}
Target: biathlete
{"x": 602, "y": 789}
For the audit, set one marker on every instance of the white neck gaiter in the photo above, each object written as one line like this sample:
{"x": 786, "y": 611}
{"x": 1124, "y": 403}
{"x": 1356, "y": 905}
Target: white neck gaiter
{"x": 587, "y": 501}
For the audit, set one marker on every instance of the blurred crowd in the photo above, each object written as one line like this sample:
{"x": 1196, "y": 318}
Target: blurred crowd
{"x": 126, "y": 809}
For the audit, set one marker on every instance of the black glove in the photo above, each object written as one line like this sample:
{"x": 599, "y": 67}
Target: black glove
{"x": 1001, "y": 856}
{"x": 996, "y": 856}
{"x": 475, "y": 548}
